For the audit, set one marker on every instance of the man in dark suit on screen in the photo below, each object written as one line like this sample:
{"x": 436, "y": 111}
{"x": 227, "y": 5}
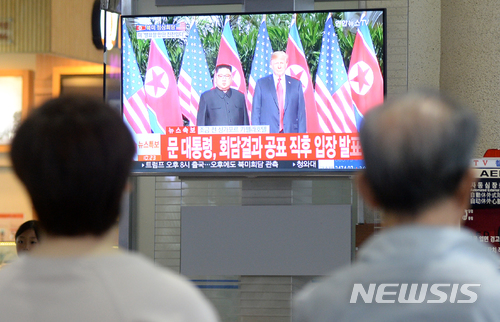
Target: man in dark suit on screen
{"x": 279, "y": 99}
{"x": 222, "y": 105}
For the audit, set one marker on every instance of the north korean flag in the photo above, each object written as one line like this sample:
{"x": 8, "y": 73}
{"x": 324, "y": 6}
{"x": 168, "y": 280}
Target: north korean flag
{"x": 228, "y": 55}
{"x": 364, "y": 74}
{"x": 162, "y": 97}
{"x": 298, "y": 69}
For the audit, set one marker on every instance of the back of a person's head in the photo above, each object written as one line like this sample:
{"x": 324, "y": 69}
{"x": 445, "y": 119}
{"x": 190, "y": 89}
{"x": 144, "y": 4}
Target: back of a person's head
{"x": 74, "y": 155}
{"x": 417, "y": 149}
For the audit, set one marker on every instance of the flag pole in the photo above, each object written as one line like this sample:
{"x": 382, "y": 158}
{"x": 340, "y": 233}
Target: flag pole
{"x": 363, "y": 15}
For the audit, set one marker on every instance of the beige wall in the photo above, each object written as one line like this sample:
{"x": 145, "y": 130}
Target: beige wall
{"x": 28, "y": 26}
{"x": 470, "y": 62}
{"x": 18, "y": 61}
{"x": 60, "y": 27}
{"x": 71, "y": 33}
{"x": 424, "y": 43}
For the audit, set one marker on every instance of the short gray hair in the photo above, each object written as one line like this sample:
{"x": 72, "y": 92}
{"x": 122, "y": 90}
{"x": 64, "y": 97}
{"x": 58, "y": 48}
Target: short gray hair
{"x": 417, "y": 149}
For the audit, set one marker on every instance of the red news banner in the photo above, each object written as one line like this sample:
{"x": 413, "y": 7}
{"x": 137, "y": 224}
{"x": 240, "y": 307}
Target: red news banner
{"x": 187, "y": 144}
{"x": 483, "y": 217}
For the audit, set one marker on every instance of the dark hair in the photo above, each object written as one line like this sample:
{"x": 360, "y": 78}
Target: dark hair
{"x": 27, "y": 225}
{"x": 417, "y": 149}
{"x": 74, "y": 155}
{"x": 223, "y": 66}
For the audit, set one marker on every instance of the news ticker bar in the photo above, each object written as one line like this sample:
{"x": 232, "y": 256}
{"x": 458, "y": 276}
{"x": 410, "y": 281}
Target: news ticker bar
{"x": 248, "y": 166}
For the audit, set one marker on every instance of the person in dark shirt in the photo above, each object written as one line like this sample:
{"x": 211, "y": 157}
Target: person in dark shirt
{"x": 222, "y": 105}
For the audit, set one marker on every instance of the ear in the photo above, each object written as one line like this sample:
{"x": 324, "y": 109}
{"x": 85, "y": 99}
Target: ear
{"x": 462, "y": 194}
{"x": 365, "y": 190}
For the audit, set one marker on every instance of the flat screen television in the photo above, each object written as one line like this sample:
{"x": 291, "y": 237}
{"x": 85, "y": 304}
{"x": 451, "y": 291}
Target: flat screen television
{"x": 260, "y": 93}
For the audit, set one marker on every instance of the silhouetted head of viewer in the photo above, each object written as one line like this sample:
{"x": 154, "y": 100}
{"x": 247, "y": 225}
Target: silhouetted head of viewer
{"x": 417, "y": 152}
{"x": 74, "y": 155}
{"x": 27, "y": 236}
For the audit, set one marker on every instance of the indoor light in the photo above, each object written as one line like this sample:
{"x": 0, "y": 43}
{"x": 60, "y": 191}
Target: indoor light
{"x": 111, "y": 23}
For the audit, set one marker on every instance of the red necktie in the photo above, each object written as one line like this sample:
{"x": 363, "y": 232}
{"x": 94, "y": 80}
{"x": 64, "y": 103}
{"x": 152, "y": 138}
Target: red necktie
{"x": 279, "y": 92}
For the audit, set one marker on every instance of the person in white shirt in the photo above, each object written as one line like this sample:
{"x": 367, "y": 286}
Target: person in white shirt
{"x": 421, "y": 266}
{"x": 74, "y": 155}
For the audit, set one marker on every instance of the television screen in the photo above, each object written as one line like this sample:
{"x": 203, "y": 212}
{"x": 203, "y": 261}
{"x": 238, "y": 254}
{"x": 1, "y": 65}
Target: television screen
{"x": 251, "y": 93}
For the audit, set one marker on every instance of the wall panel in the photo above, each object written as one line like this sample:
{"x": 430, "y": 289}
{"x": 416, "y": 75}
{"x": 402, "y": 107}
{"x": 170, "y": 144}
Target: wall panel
{"x": 71, "y": 32}
{"x": 240, "y": 298}
{"x": 470, "y": 62}
{"x": 25, "y": 26}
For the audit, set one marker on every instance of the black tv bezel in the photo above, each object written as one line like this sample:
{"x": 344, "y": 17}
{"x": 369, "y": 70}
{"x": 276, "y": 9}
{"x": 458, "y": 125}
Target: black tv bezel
{"x": 246, "y": 173}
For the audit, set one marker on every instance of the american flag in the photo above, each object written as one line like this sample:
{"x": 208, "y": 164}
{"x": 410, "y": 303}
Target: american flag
{"x": 194, "y": 77}
{"x": 333, "y": 92}
{"x": 261, "y": 64}
{"x": 228, "y": 55}
{"x": 135, "y": 112}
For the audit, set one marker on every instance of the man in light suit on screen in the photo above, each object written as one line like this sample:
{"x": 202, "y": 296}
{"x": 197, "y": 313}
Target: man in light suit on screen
{"x": 279, "y": 99}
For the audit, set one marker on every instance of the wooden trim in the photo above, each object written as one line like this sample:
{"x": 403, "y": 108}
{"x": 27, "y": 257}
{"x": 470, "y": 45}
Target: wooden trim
{"x": 28, "y": 77}
{"x": 58, "y": 72}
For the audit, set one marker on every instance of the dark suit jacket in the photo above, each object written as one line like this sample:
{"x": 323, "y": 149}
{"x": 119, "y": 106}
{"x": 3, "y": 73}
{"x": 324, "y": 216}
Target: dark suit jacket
{"x": 219, "y": 108}
{"x": 265, "y": 109}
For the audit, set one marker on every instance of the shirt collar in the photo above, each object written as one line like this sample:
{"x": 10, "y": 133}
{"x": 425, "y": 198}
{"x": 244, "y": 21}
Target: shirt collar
{"x": 221, "y": 94}
{"x": 275, "y": 77}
